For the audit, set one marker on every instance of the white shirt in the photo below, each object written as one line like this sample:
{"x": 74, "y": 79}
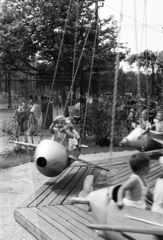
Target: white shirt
{"x": 60, "y": 137}
{"x": 36, "y": 110}
{"x": 159, "y": 126}
{"x": 144, "y": 124}
{"x": 73, "y": 142}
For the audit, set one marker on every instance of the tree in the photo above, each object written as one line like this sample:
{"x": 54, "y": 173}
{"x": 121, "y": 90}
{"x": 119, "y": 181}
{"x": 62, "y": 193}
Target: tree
{"x": 147, "y": 61}
{"x": 31, "y": 28}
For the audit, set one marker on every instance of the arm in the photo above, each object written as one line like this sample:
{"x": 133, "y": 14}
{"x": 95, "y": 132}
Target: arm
{"x": 69, "y": 135}
{"x": 128, "y": 185}
{"x": 150, "y": 196}
{"x": 79, "y": 144}
{"x": 153, "y": 127}
{"x": 146, "y": 131}
{"x": 51, "y": 128}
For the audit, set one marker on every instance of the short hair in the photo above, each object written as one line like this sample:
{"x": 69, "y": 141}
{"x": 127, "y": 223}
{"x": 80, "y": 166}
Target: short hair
{"x": 60, "y": 118}
{"x": 161, "y": 112}
{"x": 145, "y": 111}
{"x": 139, "y": 161}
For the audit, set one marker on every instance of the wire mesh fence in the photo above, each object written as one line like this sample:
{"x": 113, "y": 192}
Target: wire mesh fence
{"x": 9, "y": 127}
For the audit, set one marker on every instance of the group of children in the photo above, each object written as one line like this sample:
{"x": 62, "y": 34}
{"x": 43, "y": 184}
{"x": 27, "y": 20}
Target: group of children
{"x": 145, "y": 125}
{"x": 134, "y": 192}
{"x": 27, "y": 117}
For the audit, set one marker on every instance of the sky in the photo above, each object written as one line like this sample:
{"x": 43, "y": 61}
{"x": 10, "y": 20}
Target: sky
{"x": 149, "y": 36}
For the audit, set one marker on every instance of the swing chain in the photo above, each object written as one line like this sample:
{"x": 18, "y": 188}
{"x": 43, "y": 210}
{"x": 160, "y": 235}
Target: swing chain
{"x": 138, "y": 61}
{"x": 73, "y": 80}
{"x": 57, "y": 63}
{"x": 75, "y": 43}
{"x": 116, "y": 82}
{"x": 90, "y": 76}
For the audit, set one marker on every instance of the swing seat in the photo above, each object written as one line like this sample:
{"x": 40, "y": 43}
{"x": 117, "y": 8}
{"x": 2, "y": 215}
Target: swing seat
{"x": 50, "y": 158}
{"x": 76, "y": 118}
{"x": 149, "y": 141}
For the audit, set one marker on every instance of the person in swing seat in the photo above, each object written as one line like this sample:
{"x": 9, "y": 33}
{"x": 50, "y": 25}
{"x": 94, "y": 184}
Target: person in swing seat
{"x": 134, "y": 191}
{"x": 143, "y": 121}
{"x": 60, "y": 132}
{"x": 157, "y": 126}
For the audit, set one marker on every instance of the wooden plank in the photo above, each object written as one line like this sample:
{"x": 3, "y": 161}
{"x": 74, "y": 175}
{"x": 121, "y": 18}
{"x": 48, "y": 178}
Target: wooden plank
{"x": 156, "y": 173}
{"x": 121, "y": 178}
{"x": 116, "y": 171}
{"x": 56, "y": 190}
{"x": 72, "y": 186}
{"x": 79, "y": 222}
{"x": 65, "y": 223}
{"x": 75, "y": 215}
{"x": 56, "y": 223}
{"x": 43, "y": 195}
{"x": 81, "y": 216}
{"x": 78, "y": 187}
{"x": 102, "y": 179}
{"x": 82, "y": 213}
{"x": 128, "y": 169}
{"x": 37, "y": 193}
{"x": 124, "y": 174}
{"x": 37, "y": 226}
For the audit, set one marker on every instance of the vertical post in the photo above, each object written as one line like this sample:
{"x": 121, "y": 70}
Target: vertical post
{"x": 162, "y": 82}
{"x": 95, "y": 83}
{"x": 9, "y": 88}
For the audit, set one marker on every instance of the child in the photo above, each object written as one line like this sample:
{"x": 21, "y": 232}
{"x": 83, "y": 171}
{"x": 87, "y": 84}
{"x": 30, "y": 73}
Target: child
{"x": 158, "y": 126}
{"x": 59, "y": 131}
{"x": 159, "y": 123}
{"x": 143, "y": 121}
{"x": 131, "y": 119}
{"x": 31, "y": 124}
{"x": 134, "y": 191}
{"x": 74, "y": 143}
{"x": 158, "y": 193}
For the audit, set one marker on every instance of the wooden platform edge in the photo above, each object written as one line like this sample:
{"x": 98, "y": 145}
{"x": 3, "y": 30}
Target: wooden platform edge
{"x": 37, "y": 226}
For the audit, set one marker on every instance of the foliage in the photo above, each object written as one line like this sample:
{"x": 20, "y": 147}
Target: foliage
{"x": 32, "y": 32}
{"x": 149, "y": 63}
{"x": 99, "y": 124}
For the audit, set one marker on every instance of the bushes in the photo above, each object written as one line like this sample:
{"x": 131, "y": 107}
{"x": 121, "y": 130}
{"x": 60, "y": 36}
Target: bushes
{"x": 98, "y": 124}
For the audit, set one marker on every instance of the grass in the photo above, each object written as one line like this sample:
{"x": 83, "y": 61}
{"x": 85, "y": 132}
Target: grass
{"x": 22, "y": 155}
{"x": 15, "y": 158}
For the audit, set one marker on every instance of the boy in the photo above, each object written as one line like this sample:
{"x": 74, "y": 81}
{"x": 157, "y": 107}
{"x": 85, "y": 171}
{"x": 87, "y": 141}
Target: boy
{"x": 134, "y": 191}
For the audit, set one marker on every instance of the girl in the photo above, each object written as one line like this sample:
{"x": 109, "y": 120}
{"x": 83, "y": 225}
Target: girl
{"x": 59, "y": 131}
{"x": 143, "y": 121}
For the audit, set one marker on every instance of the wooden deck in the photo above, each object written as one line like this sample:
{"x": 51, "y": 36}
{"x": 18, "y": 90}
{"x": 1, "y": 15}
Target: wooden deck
{"x": 48, "y": 214}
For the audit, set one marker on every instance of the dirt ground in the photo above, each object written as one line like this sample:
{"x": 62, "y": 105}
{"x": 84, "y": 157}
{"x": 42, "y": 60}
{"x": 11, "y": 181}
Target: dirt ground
{"x": 16, "y": 185}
